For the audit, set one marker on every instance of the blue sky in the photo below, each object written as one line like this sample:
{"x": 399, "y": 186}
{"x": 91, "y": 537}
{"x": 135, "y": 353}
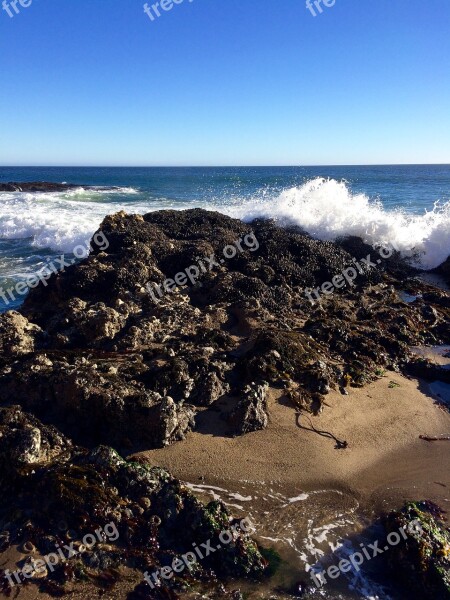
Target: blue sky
{"x": 225, "y": 82}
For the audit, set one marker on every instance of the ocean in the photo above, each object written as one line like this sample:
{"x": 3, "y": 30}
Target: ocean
{"x": 408, "y": 206}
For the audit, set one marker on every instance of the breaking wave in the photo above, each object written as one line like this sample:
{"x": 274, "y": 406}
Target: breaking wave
{"x": 327, "y": 209}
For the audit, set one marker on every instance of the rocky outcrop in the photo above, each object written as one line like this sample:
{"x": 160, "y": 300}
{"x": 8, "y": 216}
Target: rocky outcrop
{"x": 99, "y": 350}
{"x": 422, "y": 561}
{"x": 35, "y": 186}
{"x": 54, "y": 492}
{"x": 47, "y": 186}
{"x": 250, "y": 413}
{"x": 101, "y": 356}
{"x": 97, "y": 398}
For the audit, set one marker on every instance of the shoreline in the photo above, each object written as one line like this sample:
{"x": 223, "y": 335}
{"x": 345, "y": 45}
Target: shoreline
{"x": 303, "y": 484}
{"x": 377, "y": 433}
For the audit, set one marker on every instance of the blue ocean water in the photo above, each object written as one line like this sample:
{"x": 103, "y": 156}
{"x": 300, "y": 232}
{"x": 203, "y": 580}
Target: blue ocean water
{"x": 405, "y": 205}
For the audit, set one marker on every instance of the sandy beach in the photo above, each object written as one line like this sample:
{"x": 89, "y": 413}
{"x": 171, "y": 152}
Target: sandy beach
{"x": 381, "y": 423}
{"x": 303, "y": 495}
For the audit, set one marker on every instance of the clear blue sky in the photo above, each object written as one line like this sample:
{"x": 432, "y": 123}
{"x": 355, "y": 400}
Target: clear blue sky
{"x": 225, "y": 82}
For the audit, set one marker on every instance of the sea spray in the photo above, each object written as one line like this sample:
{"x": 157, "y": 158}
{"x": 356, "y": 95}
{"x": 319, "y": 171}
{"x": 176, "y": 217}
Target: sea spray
{"x": 327, "y": 209}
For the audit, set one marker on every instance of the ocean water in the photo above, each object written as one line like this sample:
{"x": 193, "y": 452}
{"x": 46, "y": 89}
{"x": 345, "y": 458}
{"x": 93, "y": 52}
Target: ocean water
{"x": 408, "y": 206}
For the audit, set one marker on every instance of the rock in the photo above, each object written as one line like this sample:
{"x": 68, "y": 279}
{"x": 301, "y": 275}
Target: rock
{"x": 445, "y": 269}
{"x": 24, "y": 440}
{"x": 250, "y": 414}
{"x": 40, "y": 186}
{"x": 95, "y": 352}
{"x": 27, "y": 448}
{"x": 145, "y": 515}
{"x": 422, "y": 560}
{"x": 175, "y": 421}
{"x": 95, "y": 404}
{"x": 424, "y": 369}
{"x": 17, "y": 334}
{"x": 102, "y": 356}
{"x": 35, "y": 186}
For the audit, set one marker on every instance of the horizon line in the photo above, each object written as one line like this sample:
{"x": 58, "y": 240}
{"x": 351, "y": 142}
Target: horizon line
{"x": 265, "y": 166}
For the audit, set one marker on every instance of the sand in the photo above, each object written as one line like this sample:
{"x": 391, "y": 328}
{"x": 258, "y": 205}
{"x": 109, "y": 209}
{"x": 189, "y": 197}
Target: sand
{"x": 381, "y": 423}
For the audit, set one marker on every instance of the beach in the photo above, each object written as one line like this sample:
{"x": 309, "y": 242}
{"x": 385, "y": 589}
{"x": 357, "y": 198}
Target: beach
{"x": 299, "y": 460}
{"x": 181, "y": 376}
{"x": 385, "y": 466}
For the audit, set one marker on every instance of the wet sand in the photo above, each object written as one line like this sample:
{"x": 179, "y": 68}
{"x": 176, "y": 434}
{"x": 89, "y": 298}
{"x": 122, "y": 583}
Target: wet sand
{"x": 381, "y": 423}
{"x": 308, "y": 500}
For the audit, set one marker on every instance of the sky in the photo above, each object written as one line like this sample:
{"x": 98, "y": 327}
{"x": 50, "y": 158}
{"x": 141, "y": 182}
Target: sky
{"x": 225, "y": 82}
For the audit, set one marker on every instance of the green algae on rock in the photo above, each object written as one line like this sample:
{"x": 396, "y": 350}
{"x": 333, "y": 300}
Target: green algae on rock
{"x": 423, "y": 560}
{"x": 56, "y": 492}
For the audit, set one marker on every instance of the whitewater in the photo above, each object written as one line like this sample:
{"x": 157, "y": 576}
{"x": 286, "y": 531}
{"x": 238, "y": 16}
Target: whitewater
{"x": 325, "y": 208}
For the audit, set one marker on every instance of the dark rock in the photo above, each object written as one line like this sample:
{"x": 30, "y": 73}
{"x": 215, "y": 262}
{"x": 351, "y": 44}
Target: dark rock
{"x": 422, "y": 561}
{"x": 250, "y": 414}
{"x": 56, "y": 491}
{"x": 175, "y": 421}
{"x": 445, "y": 269}
{"x": 97, "y": 399}
{"x": 36, "y": 186}
{"x": 24, "y": 440}
{"x": 96, "y": 354}
{"x": 17, "y": 334}
{"x": 423, "y": 369}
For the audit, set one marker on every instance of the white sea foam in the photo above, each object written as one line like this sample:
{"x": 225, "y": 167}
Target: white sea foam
{"x": 59, "y": 221}
{"x": 327, "y": 209}
{"x": 299, "y": 498}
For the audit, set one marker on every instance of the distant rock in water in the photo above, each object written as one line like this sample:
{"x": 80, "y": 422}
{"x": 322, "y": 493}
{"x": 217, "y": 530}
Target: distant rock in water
{"x": 36, "y": 186}
{"x": 46, "y": 186}
{"x": 109, "y": 357}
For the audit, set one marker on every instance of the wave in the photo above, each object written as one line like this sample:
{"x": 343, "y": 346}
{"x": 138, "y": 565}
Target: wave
{"x": 60, "y": 221}
{"x": 103, "y": 189}
{"x": 327, "y": 210}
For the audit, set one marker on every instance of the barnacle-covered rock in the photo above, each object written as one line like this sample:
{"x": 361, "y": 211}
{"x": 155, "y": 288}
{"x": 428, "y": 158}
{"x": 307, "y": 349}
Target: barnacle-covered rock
{"x": 250, "y": 413}
{"x": 175, "y": 420}
{"x": 141, "y": 515}
{"x": 98, "y": 347}
{"x": 422, "y": 561}
{"x": 17, "y": 334}
{"x": 24, "y": 440}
